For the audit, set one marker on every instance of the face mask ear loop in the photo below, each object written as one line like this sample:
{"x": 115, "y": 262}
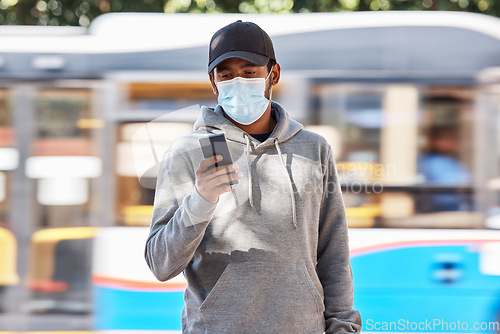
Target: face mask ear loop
{"x": 269, "y": 72}
{"x": 271, "y": 93}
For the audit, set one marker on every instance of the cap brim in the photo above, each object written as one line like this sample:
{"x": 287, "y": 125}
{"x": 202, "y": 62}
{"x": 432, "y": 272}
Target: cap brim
{"x": 255, "y": 58}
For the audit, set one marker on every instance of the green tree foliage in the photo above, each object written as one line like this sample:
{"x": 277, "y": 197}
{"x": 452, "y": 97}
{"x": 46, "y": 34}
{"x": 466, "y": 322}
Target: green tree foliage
{"x": 82, "y": 12}
{"x": 68, "y": 12}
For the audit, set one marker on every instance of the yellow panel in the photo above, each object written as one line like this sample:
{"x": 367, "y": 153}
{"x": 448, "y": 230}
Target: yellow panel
{"x": 363, "y": 216}
{"x": 368, "y": 171}
{"x": 90, "y": 123}
{"x": 137, "y": 215}
{"x": 58, "y": 234}
{"x": 360, "y": 222}
{"x": 365, "y": 211}
{"x": 43, "y": 244}
{"x": 8, "y": 258}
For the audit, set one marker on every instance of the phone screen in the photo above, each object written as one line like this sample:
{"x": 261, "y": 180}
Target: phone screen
{"x": 217, "y": 145}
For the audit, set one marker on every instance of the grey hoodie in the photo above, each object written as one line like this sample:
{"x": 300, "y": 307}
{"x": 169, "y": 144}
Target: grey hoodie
{"x": 271, "y": 256}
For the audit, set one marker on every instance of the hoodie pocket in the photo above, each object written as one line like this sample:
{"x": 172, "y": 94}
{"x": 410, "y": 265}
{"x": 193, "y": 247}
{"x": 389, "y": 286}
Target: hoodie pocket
{"x": 263, "y": 297}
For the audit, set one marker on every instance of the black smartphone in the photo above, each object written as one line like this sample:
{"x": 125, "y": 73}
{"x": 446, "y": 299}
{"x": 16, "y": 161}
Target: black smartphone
{"x": 217, "y": 145}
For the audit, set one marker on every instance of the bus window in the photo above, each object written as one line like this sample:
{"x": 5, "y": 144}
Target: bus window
{"x": 168, "y": 96}
{"x": 64, "y": 160}
{"x": 140, "y": 149}
{"x": 65, "y": 167}
{"x": 357, "y": 114}
{"x": 406, "y": 153}
{"x": 445, "y": 156}
{"x": 171, "y": 109}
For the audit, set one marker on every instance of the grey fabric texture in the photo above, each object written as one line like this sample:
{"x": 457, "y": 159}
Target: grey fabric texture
{"x": 271, "y": 256}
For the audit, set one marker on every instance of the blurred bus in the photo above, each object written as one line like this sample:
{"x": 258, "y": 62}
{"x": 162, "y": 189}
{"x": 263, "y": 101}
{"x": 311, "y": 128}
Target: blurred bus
{"x": 409, "y": 101}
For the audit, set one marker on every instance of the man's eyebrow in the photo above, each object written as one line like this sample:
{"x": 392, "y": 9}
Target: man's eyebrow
{"x": 246, "y": 65}
{"x": 243, "y": 66}
{"x": 222, "y": 68}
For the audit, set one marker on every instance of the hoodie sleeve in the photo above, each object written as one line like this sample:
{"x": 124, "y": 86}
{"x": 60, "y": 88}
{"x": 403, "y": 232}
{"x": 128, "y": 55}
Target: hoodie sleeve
{"x": 180, "y": 217}
{"x": 334, "y": 266}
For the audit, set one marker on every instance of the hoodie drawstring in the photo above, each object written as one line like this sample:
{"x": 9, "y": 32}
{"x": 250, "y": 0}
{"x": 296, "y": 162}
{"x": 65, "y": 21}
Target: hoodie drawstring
{"x": 249, "y": 172}
{"x": 289, "y": 179}
{"x": 290, "y": 186}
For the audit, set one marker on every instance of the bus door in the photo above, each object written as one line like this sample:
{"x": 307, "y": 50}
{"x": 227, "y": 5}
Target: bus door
{"x": 59, "y": 200}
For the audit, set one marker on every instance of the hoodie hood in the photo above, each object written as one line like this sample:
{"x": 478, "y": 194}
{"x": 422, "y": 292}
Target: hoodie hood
{"x": 213, "y": 121}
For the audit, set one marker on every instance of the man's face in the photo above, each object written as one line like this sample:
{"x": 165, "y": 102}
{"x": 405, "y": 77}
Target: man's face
{"x": 446, "y": 142}
{"x": 236, "y": 67}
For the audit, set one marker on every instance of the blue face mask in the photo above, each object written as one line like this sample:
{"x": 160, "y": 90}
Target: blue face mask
{"x": 243, "y": 99}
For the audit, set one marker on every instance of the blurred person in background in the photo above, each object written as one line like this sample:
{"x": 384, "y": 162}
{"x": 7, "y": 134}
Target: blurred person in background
{"x": 269, "y": 254}
{"x": 440, "y": 166}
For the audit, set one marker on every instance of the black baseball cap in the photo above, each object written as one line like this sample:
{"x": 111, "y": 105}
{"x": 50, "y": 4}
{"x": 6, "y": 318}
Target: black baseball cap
{"x": 244, "y": 40}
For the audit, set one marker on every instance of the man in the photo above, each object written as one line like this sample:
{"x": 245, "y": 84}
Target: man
{"x": 270, "y": 253}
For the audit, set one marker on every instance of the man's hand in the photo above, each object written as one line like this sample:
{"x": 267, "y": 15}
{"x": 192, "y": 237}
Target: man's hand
{"x": 212, "y": 181}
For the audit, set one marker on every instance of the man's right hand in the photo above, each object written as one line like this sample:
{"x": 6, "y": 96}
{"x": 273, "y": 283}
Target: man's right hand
{"x": 212, "y": 181}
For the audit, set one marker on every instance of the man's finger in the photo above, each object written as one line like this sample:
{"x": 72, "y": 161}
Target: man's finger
{"x": 207, "y": 164}
{"x": 225, "y": 177}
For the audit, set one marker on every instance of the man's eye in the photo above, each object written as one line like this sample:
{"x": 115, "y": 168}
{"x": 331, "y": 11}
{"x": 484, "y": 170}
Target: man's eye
{"x": 250, "y": 72}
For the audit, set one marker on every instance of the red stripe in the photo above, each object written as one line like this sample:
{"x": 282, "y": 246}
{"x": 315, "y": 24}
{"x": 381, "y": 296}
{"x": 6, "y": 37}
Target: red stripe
{"x": 48, "y": 285}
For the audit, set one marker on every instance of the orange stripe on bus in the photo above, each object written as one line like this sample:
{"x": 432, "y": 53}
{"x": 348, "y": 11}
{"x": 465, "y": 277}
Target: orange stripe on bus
{"x": 129, "y": 284}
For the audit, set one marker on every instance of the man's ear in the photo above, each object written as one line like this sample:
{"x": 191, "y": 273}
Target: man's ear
{"x": 212, "y": 82}
{"x": 276, "y": 71}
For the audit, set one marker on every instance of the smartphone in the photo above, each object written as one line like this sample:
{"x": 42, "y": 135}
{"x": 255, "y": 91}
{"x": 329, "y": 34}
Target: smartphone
{"x": 217, "y": 145}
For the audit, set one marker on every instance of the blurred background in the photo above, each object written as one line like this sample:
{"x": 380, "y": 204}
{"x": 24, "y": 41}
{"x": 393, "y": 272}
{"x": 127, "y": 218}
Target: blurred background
{"x": 91, "y": 95}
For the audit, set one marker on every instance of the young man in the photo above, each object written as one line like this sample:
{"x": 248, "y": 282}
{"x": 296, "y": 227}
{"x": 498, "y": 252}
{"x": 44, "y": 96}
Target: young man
{"x": 270, "y": 253}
